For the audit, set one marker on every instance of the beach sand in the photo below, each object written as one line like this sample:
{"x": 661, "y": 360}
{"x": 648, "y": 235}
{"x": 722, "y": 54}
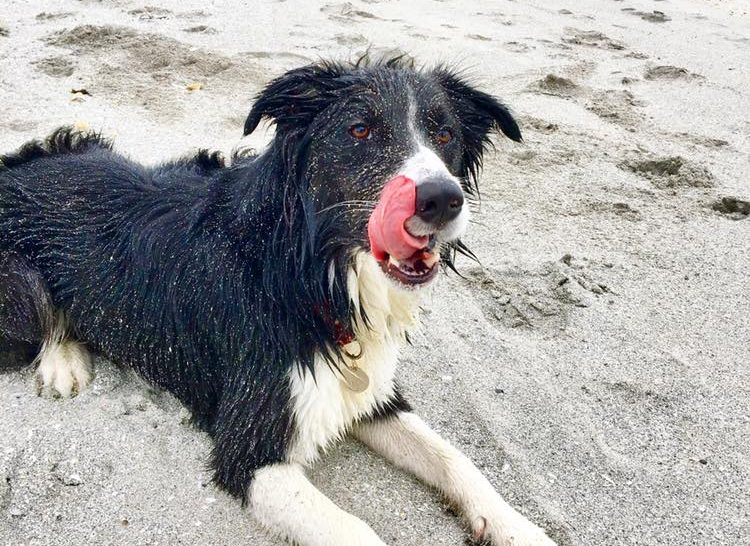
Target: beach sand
{"x": 596, "y": 366}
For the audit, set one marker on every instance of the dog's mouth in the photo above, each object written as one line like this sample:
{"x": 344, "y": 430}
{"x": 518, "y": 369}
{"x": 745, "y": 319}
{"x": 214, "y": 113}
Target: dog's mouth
{"x": 405, "y": 257}
{"x": 415, "y": 270}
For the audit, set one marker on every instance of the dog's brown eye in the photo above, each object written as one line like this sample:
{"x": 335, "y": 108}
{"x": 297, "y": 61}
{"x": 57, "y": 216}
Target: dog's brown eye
{"x": 444, "y": 136}
{"x": 360, "y": 131}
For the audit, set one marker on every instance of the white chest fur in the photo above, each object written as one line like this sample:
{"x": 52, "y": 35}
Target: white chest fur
{"x": 323, "y": 407}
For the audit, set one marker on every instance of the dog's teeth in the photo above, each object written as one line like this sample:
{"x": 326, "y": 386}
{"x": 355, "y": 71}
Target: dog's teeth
{"x": 421, "y": 266}
{"x": 431, "y": 259}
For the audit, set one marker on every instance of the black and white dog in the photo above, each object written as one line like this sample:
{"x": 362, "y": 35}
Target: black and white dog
{"x": 252, "y": 292}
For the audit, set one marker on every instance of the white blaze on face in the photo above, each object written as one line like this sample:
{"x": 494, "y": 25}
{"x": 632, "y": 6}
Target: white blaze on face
{"x": 424, "y": 165}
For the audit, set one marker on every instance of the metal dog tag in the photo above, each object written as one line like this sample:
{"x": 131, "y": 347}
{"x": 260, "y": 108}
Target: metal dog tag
{"x": 355, "y": 379}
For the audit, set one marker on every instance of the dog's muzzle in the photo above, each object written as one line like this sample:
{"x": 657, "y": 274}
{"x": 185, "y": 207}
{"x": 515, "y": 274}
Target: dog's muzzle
{"x": 404, "y": 226}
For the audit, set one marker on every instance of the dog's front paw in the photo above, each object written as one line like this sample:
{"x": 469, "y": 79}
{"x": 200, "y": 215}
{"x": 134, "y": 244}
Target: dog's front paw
{"x": 508, "y": 528}
{"x": 64, "y": 370}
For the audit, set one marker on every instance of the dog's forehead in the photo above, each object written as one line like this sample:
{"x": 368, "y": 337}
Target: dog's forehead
{"x": 406, "y": 89}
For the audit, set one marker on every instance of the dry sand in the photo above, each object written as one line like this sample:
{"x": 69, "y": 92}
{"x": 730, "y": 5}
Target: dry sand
{"x": 597, "y": 366}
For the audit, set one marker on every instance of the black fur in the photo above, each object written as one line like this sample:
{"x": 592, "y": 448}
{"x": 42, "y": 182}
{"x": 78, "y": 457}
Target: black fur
{"x": 388, "y": 408}
{"x": 62, "y": 141}
{"x": 212, "y": 281}
{"x": 26, "y": 311}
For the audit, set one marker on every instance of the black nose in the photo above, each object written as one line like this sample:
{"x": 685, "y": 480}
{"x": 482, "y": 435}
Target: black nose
{"x": 439, "y": 200}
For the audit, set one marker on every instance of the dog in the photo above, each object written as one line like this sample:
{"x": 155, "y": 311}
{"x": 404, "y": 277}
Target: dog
{"x": 270, "y": 295}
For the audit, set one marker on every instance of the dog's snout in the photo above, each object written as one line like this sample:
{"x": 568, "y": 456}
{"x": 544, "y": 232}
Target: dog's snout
{"x": 439, "y": 200}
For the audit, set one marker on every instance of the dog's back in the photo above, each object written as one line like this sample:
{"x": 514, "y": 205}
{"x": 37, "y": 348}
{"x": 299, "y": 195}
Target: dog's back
{"x": 84, "y": 229}
{"x": 56, "y": 191}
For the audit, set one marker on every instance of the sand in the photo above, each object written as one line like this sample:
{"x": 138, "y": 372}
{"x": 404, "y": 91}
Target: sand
{"x": 596, "y": 365}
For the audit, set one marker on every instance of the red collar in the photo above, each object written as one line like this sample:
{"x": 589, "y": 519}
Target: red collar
{"x": 342, "y": 334}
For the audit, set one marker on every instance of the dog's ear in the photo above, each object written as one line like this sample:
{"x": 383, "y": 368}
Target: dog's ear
{"x": 295, "y": 97}
{"x": 479, "y": 113}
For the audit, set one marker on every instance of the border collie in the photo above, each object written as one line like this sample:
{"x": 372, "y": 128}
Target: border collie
{"x": 270, "y": 296}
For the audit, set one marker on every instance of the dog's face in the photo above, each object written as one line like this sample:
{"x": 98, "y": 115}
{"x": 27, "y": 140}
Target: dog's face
{"x": 387, "y": 153}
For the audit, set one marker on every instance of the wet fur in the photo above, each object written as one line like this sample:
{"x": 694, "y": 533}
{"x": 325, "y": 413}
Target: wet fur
{"x": 215, "y": 282}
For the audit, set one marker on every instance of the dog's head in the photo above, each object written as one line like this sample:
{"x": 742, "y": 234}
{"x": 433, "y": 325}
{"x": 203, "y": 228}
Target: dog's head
{"x": 387, "y": 153}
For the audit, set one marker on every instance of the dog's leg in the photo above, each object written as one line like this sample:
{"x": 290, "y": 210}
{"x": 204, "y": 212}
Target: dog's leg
{"x": 25, "y": 311}
{"x": 31, "y": 330}
{"x": 30, "y": 325}
{"x": 404, "y": 439}
{"x": 287, "y": 504}
{"x": 64, "y": 364}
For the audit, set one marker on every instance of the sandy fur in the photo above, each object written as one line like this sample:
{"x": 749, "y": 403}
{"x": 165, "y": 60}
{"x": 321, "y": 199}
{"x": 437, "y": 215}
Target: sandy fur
{"x": 580, "y": 404}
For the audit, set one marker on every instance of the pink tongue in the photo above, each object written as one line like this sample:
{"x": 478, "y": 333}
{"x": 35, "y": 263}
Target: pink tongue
{"x": 388, "y": 236}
